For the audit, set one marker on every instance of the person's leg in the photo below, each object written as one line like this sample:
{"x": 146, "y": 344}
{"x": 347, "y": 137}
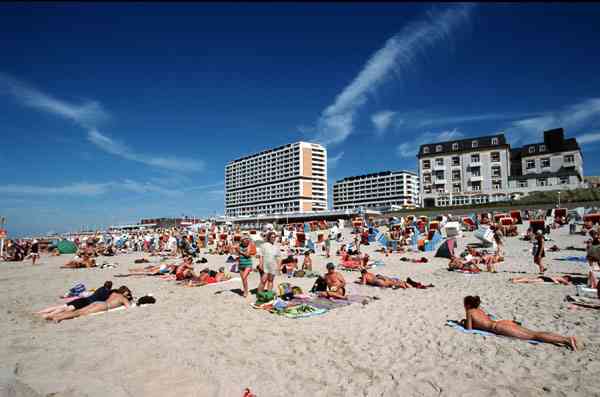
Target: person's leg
{"x": 512, "y": 329}
{"x": 50, "y": 309}
{"x": 270, "y": 279}
{"x": 244, "y": 274}
{"x": 592, "y": 280}
{"x": 262, "y": 283}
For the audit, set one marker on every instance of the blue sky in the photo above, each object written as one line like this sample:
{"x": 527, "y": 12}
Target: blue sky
{"x": 113, "y": 112}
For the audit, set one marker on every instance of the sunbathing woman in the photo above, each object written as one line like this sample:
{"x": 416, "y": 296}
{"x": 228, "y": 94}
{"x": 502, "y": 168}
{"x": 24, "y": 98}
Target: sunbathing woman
{"x": 478, "y": 319}
{"x": 456, "y": 263}
{"x": 378, "y": 280}
{"x": 119, "y": 297}
{"x": 100, "y": 295}
{"x": 185, "y": 270}
{"x": 85, "y": 262}
{"x": 564, "y": 280}
{"x": 207, "y": 276}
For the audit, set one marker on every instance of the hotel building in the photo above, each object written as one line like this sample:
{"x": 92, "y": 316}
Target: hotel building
{"x": 289, "y": 178}
{"x": 485, "y": 169}
{"x": 380, "y": 190}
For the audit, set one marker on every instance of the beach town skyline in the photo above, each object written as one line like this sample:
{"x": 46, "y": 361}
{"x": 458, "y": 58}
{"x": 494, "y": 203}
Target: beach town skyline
{"x": 101, "y": 129}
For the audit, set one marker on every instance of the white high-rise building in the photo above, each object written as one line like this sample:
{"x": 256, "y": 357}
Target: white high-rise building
{"x": 289, "y": 178}
{"x": 380, "y": 190}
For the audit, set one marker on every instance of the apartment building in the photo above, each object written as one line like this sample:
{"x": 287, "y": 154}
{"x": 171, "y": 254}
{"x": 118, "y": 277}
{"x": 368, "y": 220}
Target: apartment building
{"x": 466, "y": 171}
{"x": 555, "y": 163}
{"x": 289, "y": 178}
{"x": 377, "y": 191}
{"x": 485, "y": 169}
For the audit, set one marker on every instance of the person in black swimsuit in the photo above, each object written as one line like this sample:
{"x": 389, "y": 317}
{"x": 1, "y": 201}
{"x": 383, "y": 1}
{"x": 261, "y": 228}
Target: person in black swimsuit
{"x": 35, "y": 251}
{"x": 100, "y": 295}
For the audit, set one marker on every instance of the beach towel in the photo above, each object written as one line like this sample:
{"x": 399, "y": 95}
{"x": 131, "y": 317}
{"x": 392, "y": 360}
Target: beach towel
{"x": 572, "y": 258}
{"x": 186, "y": 284}
{"x": 302, "y": 311}
{"x": 462, "y": 329}
{"x": 464, "y": 271}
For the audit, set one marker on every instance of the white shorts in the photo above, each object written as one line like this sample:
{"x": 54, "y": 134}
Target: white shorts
{"x": 270, "y": 268}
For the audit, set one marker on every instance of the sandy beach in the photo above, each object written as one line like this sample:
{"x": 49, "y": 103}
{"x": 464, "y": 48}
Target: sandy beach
{"x": 208, "y": 341}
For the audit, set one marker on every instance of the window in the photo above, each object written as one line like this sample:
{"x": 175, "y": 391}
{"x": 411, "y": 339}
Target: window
{"x": 495, "y": 157}
{"x": 564, "y": 180}
{"x": 474, "y": 144}
{"x": 542, "y": 182}
{"x": 439, "y": 162}
{"x": 425, "y": 150}
{"x": 530, "y": 164}
{"x": 497, "y": 185}
{"x": 439, "y": 175}
{"x": 456, "y": 175}
{"x": 545, "y": 162}
{"x": 476, "y": 186}
{"x": 542, "y": 148}
{"x": 476, "y": 172}
{"x": 474, "y": 158}
{"x": 455, "y": 160}
{"x": 496, "y": 173}
{"x": 569, "y": 158}
{"x": 494, "y": 141}
{"x": 523, "y": 183}
{"x": 426, "y": 164}
{"x": 531, "y": 149}
{"x": 456, "y": 188}
{"x": 455, "y": 146}
{"x": 438, "y": 148}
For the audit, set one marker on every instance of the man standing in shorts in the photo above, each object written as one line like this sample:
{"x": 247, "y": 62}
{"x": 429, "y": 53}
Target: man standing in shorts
{"x": 35, "y": 251}
{"x": 269, "y": 261}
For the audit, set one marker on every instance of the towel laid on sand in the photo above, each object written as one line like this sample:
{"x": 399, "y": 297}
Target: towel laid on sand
{"x": 572, "y": 259}
{"x": 462, "y": 329}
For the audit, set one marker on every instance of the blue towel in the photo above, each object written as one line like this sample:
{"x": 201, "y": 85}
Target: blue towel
{"x": 462, "y": 329}
{"x": 572, "y": 258}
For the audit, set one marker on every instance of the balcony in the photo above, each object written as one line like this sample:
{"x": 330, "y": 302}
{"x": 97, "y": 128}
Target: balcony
{"x": 438, "y": 167}
{"x": 475, "y": 178}
{"x": 474, "y": 164}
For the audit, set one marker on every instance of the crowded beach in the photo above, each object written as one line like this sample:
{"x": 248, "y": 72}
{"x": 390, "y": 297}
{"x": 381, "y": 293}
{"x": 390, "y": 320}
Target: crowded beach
{"x": 362, "y": 296}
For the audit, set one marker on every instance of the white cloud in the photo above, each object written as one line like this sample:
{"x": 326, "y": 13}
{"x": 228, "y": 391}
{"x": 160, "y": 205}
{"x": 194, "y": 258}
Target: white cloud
{"x": 88, "y": 116}
{"x": 589, "y": 138}
{"x": 400, "y": 52}
{"x": 444, "y": 120}
{"x": 571, "y": 118}
{"x": 382, "y": 121}
{"x": 89, "y": 189}
{"x": 410, "y": 149}
{"x": 117, "y": 148}
{"x": 332, "y": 161}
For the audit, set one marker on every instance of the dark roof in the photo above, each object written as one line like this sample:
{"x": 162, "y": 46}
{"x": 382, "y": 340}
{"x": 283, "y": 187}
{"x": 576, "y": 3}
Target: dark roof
{"x": 382, "y": 173}
{"x": 554, "y": 142}
{"x": 562, "y": 171}
{"x": 483, "y": 142}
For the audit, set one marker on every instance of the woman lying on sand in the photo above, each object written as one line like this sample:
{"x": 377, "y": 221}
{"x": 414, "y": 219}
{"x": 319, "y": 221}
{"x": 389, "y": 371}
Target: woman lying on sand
{"x": 478, "y": 319}
{"x": 378, "y": 280}
{"x": 207, "y": 276}
{"x": 100, "y": 295}
{"x": 119, "y": 297}
{"x": 86, "y": 262}
{"x": 564, "y": 280}
{"x": 467, "y": 264}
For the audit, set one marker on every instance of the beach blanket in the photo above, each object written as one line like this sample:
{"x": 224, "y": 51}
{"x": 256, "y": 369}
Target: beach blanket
{"x": 464, "y": 271}
{"x": 462, "y": 329}
{"x": 589, "y": 303}
{"x": 234, "y": 279}
{"x": 572, "y": 258}
{"x": 302, "y": 311}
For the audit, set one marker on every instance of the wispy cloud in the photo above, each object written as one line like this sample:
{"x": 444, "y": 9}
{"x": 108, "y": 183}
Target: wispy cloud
{"x": 589, "y": 138}
{"x": 88, "y": 116}
{"x": 117, "y": 148}
{"x": 399, "y": 53}
{"x": 383, "y": 120}
{"x": 89, "y": 189}
{"x": 332, "y": 161}
{"x": 572, "y": 118}
{"x": 409, "y": 149}
{"x": 429, "y": 121}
